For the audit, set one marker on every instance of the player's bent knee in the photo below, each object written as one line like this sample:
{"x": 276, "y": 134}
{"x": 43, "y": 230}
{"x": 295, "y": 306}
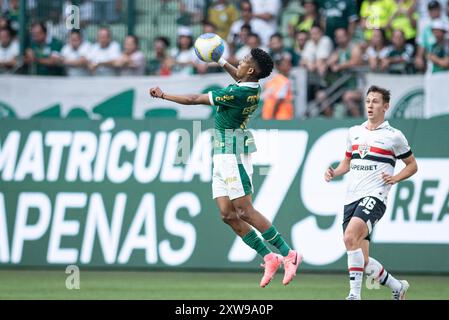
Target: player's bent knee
{"x": 229, "y": 217}
{"x": 351, "y": 241}
{"x": 244, "y": 214}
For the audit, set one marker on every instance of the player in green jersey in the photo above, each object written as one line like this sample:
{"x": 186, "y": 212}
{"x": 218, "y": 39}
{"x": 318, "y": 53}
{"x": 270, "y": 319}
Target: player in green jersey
{"x": 232, "y": 168}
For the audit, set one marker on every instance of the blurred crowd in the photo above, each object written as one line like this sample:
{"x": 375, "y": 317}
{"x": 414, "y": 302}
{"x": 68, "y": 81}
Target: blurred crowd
{"x": 334, "y": 40}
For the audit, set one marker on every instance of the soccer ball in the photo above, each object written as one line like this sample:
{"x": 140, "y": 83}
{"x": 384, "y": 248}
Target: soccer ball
{"x": 209, "y": 47}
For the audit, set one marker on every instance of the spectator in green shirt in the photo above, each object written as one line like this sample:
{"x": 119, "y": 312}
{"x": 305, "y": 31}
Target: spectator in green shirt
{"x": 338, "y": 14}
{"x": 161, "y": 63}
{"x": 426, "y": 38}
{"x": 400, "y": 55}
{"x": 44, "y": 54}
{"x": 438, "y": 56}
{"x": 277, "y": 50}
{"x": 12, "y": 14}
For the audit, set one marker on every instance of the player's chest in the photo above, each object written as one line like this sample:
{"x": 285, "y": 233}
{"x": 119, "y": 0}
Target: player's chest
{"x": 372, "y": 143}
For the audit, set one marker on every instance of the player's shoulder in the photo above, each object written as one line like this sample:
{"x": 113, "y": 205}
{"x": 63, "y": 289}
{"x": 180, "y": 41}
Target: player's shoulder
{"x": 392, "y": 130}
{"x": 355, "y": 128}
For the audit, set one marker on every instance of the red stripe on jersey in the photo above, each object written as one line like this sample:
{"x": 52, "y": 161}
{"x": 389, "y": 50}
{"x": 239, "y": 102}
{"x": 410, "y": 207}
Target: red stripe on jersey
{"x": 381, "y": 272}
{"x": 348, "y": 154}
{"x": 381, "y": 151}
{"x": 356, "y": 269}
{"x": 375, "y": 149}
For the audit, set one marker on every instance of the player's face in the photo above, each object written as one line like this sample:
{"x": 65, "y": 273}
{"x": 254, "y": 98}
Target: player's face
{"x": 245, "y": 67}
{"x": 375, "y": 106}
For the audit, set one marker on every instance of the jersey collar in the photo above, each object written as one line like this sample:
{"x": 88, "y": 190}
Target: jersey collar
{"x": 248, "y": 84}
{"x": 381, "y": 126}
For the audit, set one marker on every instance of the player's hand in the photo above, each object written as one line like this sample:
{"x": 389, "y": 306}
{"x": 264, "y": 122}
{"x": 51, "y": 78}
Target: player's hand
{"x": 389, "y": 179}
{"x": 156, "y": 92}
{"x": 329, "y": 174}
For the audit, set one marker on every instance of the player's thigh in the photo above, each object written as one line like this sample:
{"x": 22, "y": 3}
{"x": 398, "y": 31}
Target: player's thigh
{"x": 225, "y": 205}
{"x": 356, "y": 230}
{"x": 219, "y": 186}
{"x": 237, "y": 172}
{"x": 370, "y": 210}
{"x": 243, "y": 204}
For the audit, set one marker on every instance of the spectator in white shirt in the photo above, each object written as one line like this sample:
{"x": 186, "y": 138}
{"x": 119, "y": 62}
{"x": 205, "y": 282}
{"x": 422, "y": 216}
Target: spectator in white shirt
{"x": 103, "y": 54}
{"x": 184, "y": 53}
{"x": 132, "y": 61}
{"x": 74, "y": 55}
{"x": 258, "y": 26}
{"x": 9, "y": 51}
{"x": 252, "y": 42}
{"x": 377, "y": 50}
{"x": 316, "y": 52}
{"x": 268, "y": 11}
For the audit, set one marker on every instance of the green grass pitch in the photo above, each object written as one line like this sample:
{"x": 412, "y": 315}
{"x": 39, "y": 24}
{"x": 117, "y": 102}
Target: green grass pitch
{"x": 154, "y": 285}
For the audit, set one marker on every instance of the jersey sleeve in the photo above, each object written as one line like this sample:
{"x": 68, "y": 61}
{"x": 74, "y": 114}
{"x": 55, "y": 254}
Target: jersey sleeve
{"x": 401, "y": 147}
{"x": 348, "y": 153}
{"x": 222, "y": 98}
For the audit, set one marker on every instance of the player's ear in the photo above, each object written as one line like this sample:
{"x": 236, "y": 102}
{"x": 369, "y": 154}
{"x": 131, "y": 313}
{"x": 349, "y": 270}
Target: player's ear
{"x": 386, "y": 106}
{"x": 251, "y": 70}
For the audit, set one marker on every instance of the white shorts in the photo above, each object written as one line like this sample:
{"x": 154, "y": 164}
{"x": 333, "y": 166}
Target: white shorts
{"x": 232, "y": 178}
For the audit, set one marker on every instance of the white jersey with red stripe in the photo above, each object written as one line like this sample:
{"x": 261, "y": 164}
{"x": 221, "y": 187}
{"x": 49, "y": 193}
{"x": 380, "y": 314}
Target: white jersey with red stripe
{"x": 373, "y": 152}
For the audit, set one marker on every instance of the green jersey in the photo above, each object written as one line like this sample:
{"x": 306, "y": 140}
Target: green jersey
{"x": 441, "y": 51}
{"x": 338, "y": 14}
{"x": 46, "y": 50}
{"x": 236, "y": 104}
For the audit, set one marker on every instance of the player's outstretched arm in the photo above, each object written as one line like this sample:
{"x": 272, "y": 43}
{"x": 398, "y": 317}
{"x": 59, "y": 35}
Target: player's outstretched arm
{"x": 411, "y": 167}
{"x": 187, "y": 99}
{"x": 229, "y": 68}
{"x": 341, "y": 169}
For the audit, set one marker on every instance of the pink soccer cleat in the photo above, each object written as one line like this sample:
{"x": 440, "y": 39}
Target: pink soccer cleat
{"x": 291, "y": 263}
{"x": 272, "y": 262}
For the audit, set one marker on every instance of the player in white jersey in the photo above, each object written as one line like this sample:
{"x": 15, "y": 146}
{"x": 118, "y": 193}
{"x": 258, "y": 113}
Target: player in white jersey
{"x": 371, "y": 154}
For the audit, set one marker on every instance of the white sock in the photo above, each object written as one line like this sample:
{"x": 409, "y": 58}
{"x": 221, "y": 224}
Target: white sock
{"x": 355, "y": 267}
{"x": 376, "y": 269}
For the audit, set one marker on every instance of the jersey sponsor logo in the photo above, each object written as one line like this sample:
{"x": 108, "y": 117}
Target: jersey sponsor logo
{"x": 372, "y": 167}
{"x": 252, "y": 99}
{"x": 224, "y": 98}
{"x": 230, "y": 180}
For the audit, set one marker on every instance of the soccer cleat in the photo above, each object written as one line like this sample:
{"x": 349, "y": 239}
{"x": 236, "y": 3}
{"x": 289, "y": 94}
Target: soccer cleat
{"x": 353, "y": 297}
{"x": 400, "y": 294}
{"x": 291, "y": 263}
{"x": 272, "y": 262}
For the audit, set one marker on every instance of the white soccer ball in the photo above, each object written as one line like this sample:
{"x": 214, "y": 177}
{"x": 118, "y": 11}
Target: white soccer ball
{"x": 209, "y": 47}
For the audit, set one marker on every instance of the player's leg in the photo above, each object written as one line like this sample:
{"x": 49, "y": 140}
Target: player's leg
{"x": 355, "y": 232}
{"x": 248, "y": 213}
{"x": 240, "y": 194}
{"x": 372, "y": 210}
{"x": 226, "y": 186}
{"x": 398, "y": 287}
{"x": 240, "y": 227}
{"x": 362, "y": 216}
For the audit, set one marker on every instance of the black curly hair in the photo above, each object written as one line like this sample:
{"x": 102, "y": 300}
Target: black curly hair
{"x": 263, "y": 61}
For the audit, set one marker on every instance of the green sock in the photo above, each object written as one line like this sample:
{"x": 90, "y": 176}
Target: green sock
{"x": 274, "y": 237}
{"x": 254, "y": 241}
